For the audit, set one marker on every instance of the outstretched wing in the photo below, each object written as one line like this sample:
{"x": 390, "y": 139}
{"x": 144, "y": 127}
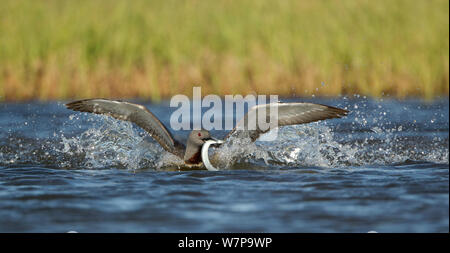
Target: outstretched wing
{"x": 288, "y": 114}
{"x": 137, "y": 114}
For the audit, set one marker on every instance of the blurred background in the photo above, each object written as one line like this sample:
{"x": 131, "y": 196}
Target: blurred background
{"x": 61, "y": 49}
{"x": 384, "y": 167}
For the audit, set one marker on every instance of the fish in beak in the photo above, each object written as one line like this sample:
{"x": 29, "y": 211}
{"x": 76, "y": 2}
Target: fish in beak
{"x": 205, "y": 155}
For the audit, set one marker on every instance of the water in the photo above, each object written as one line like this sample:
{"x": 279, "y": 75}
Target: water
{"x": 384, "y": 168}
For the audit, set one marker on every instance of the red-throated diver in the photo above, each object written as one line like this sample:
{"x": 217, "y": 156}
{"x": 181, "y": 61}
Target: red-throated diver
{"x": 192, "y": 153}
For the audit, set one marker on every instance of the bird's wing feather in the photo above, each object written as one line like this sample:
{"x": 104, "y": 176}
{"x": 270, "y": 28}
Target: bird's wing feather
{"x": 288, "y": 114}
{"x": 134, "y": 113}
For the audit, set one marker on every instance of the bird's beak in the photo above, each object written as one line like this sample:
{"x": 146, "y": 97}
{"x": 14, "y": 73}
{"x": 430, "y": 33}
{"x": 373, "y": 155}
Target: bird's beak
{"x": 217, "y": 141}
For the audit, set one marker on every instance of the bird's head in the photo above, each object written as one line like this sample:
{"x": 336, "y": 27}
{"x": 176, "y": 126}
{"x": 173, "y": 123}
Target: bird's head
{"x": 198, "y": 137}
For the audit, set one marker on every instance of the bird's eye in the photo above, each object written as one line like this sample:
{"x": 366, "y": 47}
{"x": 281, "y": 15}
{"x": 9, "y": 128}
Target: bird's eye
{"x": 199, "y": 134}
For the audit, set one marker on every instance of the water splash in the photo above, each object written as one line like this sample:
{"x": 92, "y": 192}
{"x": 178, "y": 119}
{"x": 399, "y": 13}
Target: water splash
{"x": 375, "y": 133}
{"x": 379, "y": 136}
{"x": 318, "y": 146}
{"x": 114, "y": 143}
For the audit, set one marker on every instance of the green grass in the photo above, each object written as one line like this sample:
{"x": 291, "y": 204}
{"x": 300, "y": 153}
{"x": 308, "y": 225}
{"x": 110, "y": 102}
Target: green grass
{"x": 58, "y": 49}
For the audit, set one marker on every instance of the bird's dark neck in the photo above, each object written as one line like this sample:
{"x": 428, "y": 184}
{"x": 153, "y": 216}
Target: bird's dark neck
{"x": 195, "y": 159}
{"x": 192, "y": 153}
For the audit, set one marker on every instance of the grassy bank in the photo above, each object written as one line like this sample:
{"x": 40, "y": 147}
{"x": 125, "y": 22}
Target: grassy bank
{"x": 58, "y": 49}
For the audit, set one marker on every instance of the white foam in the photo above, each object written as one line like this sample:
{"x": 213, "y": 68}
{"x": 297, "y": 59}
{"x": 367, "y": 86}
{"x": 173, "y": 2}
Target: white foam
{"x": 118, "y": 143}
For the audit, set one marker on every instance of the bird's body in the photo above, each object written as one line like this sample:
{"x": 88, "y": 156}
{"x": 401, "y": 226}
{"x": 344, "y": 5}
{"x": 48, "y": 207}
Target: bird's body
{"x": 192, "y": 154}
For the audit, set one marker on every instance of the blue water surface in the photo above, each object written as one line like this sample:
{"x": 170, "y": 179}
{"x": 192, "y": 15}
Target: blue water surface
{"x": 382, "y": 168}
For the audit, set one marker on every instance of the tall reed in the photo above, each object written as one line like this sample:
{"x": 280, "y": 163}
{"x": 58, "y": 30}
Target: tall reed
{"x": 59, "y": 49}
